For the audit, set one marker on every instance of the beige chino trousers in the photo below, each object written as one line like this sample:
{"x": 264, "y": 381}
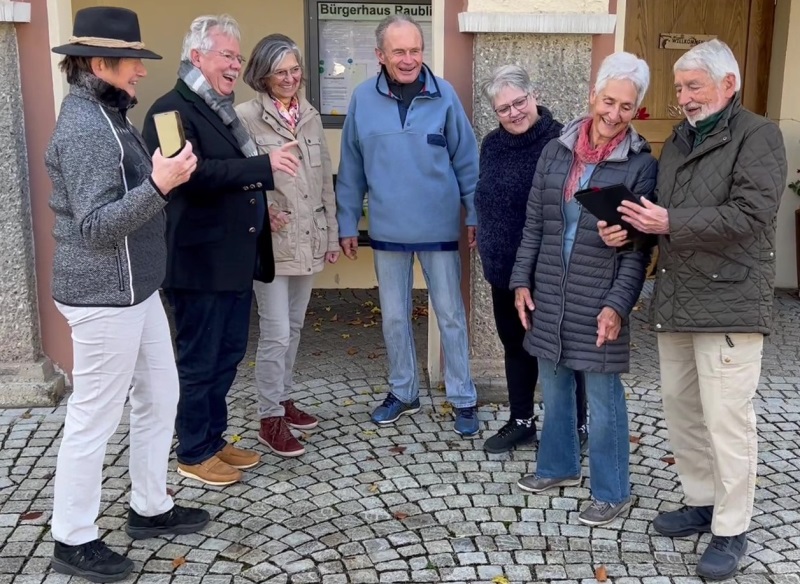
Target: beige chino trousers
{"x": 708, "y": 381}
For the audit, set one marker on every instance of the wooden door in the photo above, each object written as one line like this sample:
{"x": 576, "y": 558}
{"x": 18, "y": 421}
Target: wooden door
{"x": 660, "y": 31}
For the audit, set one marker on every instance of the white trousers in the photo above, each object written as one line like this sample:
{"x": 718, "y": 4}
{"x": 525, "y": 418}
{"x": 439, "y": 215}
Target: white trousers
{"x": 708, "y": 381}
{"x": 281, "y": 312}
{"x": 112, "y": 349}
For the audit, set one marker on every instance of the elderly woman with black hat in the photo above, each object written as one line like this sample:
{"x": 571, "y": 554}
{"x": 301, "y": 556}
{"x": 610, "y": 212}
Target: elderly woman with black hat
{"x": 108, "y": 199}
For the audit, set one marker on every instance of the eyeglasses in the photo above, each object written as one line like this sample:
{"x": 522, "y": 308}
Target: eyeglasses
{"x": 286, "y": 73}
{"x": 520, "y": 104}
{"x": 230, "y": 57}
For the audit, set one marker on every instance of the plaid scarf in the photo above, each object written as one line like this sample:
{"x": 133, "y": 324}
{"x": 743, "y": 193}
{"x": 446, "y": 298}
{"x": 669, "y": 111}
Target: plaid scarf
{"x": 221, "y": 105}
{"x": 290, "y": 115}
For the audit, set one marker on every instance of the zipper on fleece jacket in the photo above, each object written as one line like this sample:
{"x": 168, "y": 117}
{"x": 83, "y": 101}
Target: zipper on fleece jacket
{"x": 119, "y": 269}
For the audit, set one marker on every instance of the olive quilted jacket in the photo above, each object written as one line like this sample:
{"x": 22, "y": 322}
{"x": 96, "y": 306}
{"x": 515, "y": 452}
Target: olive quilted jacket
{"x": 716, "y": 268}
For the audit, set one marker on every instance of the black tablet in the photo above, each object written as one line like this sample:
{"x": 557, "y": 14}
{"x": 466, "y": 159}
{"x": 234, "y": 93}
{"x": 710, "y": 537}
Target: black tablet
{"x": 603, "y": 203}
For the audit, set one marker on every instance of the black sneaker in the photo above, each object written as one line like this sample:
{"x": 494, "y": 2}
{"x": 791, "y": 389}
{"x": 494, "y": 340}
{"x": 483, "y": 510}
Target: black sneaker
{"x": 509, "y": 436}
{"x": 720, "y": 561}
{"x": 583, "y": 438}
{"x": 684, "y": 522}
{"x": 93, "y": 560}
{"x": 178, "y": 521}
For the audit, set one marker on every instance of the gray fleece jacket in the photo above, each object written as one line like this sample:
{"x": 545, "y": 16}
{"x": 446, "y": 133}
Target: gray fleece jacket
{"x": 109, "y": 218}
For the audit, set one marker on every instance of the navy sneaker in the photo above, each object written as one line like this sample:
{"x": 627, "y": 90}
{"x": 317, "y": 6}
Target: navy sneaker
{"x": 392, "y": 408}
{"x": 466, "y": 421}
{"x": 721, "y": 559}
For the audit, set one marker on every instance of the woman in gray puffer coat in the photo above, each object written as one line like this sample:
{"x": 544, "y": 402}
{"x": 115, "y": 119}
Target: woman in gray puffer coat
{"x": 584, "y": 291}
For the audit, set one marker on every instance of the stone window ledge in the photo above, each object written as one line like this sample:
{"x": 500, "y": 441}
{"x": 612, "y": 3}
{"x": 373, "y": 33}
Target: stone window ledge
{"x": 13, "y": 11}
{"x": 544, "y": 23}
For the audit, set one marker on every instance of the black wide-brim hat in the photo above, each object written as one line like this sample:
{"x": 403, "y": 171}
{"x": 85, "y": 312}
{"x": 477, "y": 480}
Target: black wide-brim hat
{"x": 106, "y": 31}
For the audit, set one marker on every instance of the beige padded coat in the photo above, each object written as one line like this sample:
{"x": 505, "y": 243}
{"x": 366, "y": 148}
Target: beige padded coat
{"x": 312, "y": 231}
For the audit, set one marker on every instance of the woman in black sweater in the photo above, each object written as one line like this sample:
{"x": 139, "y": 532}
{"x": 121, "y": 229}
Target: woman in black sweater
{"x": 508, "y": 159}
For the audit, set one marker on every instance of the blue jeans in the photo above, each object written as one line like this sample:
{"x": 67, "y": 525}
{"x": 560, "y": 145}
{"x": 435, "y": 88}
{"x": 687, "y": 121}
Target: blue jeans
{"x": 442, "y": 271}
{"x": 211, "y": 339}
{"x": 609, "y": 449}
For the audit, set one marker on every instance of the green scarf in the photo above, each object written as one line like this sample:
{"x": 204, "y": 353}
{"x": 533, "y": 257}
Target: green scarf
{"x": 704, "y": 127}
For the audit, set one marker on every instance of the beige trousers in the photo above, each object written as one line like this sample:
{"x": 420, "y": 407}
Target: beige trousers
{"x": 708, "y": 381}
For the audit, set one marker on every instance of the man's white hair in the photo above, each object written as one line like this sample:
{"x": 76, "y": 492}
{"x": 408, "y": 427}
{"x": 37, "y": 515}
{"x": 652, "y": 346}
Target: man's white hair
{"x": 199, "y": 35}
{"x": 624, "y": 67}
{"x": 714, "y": 57}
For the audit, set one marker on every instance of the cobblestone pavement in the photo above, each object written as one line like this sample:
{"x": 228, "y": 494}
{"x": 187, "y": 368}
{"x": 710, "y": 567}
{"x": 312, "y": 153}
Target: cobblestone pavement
{"x": 412, "y": 502}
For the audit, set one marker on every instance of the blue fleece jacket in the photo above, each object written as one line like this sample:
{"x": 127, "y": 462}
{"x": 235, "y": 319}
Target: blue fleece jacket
{"x": 418, "y": 174}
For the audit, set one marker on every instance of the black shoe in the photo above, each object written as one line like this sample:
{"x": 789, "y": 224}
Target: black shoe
{"x": 178, "y": 520}
{"x": 511, "y": 435}
{"x": 685, "y": 521}
{"x": 93, "y": 560}
{"x": 720, "y": 561}
{"x": 583, "y": 438}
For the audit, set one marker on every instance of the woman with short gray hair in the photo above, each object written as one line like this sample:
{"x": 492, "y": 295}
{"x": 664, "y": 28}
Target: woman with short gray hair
{"x": 508, "y": 158}
{"x": 577, "y": 318}
{"x": 305, "y": 235}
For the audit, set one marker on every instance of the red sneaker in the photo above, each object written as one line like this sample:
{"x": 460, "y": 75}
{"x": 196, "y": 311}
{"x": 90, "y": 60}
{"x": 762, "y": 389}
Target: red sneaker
{"x": 276, "y": 436}
{"x": 298, "y": 419}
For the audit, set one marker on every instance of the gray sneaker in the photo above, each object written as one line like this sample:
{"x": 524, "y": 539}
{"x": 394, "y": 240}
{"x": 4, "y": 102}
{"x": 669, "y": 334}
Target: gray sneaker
{"x": 534, "y": 484}
{"x": 600, "y": 513}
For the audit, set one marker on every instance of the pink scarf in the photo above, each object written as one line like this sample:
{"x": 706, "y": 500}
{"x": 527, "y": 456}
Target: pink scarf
{"x": 290, "y": 115}
{"x": 584, "y": 154}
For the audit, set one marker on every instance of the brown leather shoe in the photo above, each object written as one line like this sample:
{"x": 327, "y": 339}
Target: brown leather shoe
{"x": 238, "y": 457}
{"x": 296, "y": 418}
{"x": 276, "y": 436}
{"x": 211, "y": 472}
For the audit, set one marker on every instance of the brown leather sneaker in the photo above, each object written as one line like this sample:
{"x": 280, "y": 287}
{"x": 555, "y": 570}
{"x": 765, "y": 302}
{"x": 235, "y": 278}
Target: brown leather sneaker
{"x": 276, "y": 436}
{"x": 296, "y": 418}
{"x": 238, "y": 457}
{"x": 211, "y": 472}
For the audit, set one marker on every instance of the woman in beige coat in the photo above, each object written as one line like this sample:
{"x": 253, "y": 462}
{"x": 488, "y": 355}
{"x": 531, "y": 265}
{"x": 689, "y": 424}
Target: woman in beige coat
{"x": 305, "y": 234}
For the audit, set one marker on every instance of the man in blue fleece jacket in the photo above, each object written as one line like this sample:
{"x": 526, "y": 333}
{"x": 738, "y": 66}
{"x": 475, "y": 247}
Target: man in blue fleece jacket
{"x": 408, "y": 142}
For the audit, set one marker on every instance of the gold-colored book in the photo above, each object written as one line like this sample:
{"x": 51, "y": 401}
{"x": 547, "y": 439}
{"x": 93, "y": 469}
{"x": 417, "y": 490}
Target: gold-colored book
{"x": 170, "y": 133}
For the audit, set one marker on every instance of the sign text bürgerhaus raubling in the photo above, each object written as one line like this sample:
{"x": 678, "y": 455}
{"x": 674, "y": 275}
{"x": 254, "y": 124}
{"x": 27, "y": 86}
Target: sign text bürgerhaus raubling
{"x": 371, "y": 11}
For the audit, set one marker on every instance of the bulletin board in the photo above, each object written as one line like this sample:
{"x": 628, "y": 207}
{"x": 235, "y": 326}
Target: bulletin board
{"x": 340, "y": 37}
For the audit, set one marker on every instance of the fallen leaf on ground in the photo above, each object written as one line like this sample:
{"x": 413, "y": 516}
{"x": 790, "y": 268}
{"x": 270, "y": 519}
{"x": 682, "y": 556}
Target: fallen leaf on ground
{"x": 356, "y": 322}
{"x": 373, "y": 356}
{"x": 399, "y": 515}
{"x": 178, "y": 562}
{"x": 368, "y": 304}
{"x": 26, "y": 416}
{"x": 345, "y": 336}
{"x": 441, "y": 387}
{"x": 170, "y": 492}
{"x": 369, "y": 433}
{"x": 31, "y": 516}
{"x": 328, "y": 308}
{"x": 500, "y": 580}
{"x": 317, "y": 329}
{"x": 373, "y": 488}
{"x": 348, "y": 402}
{"x": 251, "y": 363}
{"x": 334, "y": 318}
{"x": 446, "y": 408}
{"x": 398, "y": 449}
{"x": 305, "y": 436}
{"x": 236, "y": 438}
{"x": 375, "y": 310}
{"x": 635, "y": 439}
{"x": 352, "y": 351}
{"x": 317, "y": 353}
{"x": 600, "y": 574}
{"x": 370, "y": 324}
{"x": 668, "y": 459}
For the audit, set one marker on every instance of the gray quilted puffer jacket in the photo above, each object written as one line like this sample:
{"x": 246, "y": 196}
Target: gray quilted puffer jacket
{"x": 716, "y": 268}
{"x": 568, "y": 300}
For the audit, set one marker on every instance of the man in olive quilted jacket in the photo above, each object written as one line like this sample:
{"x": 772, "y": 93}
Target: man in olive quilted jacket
{"x": 721, "y": 176}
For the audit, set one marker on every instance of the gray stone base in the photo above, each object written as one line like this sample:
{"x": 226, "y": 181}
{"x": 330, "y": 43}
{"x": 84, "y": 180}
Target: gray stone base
{"x": 30, "y": 385}
{"x": 490, "y": 381}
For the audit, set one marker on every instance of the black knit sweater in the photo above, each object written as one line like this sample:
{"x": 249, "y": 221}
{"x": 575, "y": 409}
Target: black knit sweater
{"x": 507, "y": 164}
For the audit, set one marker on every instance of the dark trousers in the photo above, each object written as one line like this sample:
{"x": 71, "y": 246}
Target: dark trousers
{"x": 522, "y": 369}
{"x": 211, "y": 339}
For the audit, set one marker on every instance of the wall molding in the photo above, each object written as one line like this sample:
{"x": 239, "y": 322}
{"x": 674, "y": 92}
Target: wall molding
{"x": 544, "y": 23}
{"x": 13, "y": 11}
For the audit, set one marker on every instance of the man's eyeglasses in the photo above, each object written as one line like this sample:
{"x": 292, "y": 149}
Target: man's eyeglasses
{"x": 286, "y": 73}
{"x": 520, "y": 104}
{"x": 230, "y": 57}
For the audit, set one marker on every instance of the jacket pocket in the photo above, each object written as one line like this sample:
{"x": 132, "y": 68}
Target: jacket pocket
{"x": 284, "y": 241}
{"x": 437, "y": 140}
{"x": 314, "y": 145}
{"x": 740, "y": 364}
{"x": 319, "y": 240}
{"x": 120, "y": 274}
{"x": 716, "y": 268}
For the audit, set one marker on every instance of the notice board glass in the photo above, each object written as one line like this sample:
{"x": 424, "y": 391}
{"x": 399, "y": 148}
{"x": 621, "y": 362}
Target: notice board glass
{"x": 340, "y": 37}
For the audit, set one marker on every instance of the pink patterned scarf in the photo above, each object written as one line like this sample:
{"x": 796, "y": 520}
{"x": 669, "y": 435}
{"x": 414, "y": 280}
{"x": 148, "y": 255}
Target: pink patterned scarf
{"x": 290, "y": 115}
{"x": 586, "y": 154}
